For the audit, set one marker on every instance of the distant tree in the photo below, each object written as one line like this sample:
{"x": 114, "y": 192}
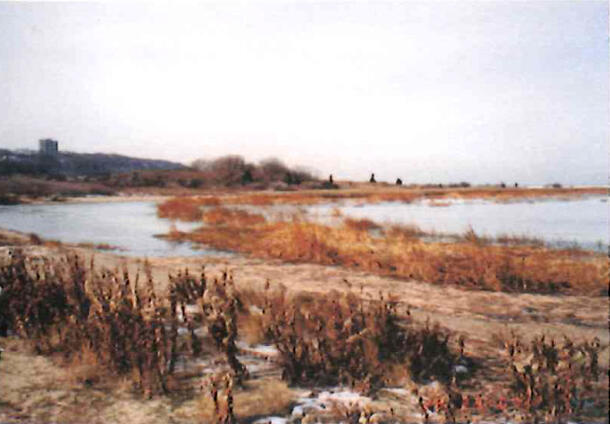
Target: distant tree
{"x": 201, "y": 164}
{"x": 398, "y": 181}
{"x": 372, "y": 179}
{"x": 228, "y": 170}
{"x": 233, "y": 169}
{"x": 195, "y": 183}
{"x": 288, "y": 179}
{"x": 273, "y": 169}
{"x": 247, "y": 177}
{"x": 301, "y": 175}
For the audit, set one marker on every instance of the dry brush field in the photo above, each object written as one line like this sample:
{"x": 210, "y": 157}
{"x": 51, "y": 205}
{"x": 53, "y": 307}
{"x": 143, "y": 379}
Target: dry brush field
{"x": 354, "y": 323}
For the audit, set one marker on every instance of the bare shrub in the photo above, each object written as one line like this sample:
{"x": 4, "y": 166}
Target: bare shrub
{"x": 104, "y": 321}
{"x": 341, "y": 339}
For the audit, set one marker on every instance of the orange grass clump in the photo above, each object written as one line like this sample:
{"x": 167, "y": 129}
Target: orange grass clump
{"x": 185, "y": 208}
{"x": 468, "y": 263}
{"x": 363, "y": 224}
{"x": 235, "y": 217}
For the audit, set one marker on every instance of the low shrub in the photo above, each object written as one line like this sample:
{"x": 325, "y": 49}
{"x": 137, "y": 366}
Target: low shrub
{"x": 341, "y": 339}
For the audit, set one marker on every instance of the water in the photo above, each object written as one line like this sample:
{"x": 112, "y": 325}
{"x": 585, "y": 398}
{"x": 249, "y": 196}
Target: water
{"x": 131, "y": 226}
{"x": 562, "y": 223}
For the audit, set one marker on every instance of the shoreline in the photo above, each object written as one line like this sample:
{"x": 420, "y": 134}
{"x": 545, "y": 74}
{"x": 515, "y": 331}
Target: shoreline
{"x": 253, "y": 272}
{"x": 350, "y": 191}
{"x": 117, "y": 198}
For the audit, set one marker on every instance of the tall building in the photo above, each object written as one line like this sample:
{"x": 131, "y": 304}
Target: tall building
{"x": 48, "y": 147}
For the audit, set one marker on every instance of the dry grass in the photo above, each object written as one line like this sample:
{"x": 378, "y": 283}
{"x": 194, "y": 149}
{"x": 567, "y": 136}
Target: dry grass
{"x": 362, "y": 224}
{"x": 181, "y": 208}
{"x": 98, "y": 246}
{"x": 17, "y": 188}
{"x": 263, "y": 398}
{"x": 234, "y": 217}
{"x": 254, "y": 400}
{"x": 360, "y": 340}
{"x": 65, "y": 307}
{"x": 41, "y": 389}
{"x": 102, "y": 323}
{"x": 554, "y": 377}
{"x": 548, "y": 381}
{"x": 173, "y": 208}
{"x": 469, "y": 263}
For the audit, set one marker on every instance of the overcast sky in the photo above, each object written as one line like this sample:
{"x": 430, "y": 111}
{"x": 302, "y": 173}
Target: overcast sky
{"x": 428, "y": 91}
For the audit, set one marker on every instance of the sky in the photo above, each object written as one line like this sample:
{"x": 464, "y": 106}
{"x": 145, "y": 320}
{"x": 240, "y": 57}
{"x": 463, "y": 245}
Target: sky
{"x": 430, "y": 91}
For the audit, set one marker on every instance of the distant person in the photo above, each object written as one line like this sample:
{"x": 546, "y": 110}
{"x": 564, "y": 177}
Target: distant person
{"x": 516, "y": 185}
{"x": 398, "y": 181}
{"x": 330, "y": 179}
{"x": 372, "y": 180}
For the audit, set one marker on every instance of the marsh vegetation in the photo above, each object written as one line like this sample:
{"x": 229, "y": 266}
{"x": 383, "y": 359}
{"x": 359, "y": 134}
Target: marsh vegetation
{"x": 195, "y": 340}
{"x": 388, "y": 323}
{"x": 470, "y": 261}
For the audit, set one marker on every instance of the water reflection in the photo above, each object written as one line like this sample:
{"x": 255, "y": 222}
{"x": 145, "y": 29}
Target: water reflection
{"x": 562, "y": 223}
{"x": 131, "y": 226}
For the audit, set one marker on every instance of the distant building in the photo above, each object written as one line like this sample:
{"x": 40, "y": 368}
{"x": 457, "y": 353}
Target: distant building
{"x": 48, "y": 147}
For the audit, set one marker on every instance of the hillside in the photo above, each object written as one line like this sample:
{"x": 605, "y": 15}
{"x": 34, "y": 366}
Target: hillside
{"x": 77, "y": 164}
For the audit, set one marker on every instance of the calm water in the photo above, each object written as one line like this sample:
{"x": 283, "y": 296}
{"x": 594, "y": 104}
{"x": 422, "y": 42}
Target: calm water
{"x": 133, "y": 225}
{"x": 559, "y": 222}
{"x": 128, "y": 225}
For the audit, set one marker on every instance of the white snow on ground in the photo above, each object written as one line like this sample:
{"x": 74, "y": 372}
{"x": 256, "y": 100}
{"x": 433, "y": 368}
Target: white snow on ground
{"x": 190, "y": 310}
{"x": 271, "y": 420}
{"x": 398, "y": 391}
{"x": 326, "y": 399}
{"x": 260, "y": 349}
{"x": 460, "y": 369}
{"x": 265, "y": 350}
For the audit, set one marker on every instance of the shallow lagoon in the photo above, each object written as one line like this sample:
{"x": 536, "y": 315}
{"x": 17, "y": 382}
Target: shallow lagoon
{"x": 132, "y": 225}
{"x": 582, "y": 221}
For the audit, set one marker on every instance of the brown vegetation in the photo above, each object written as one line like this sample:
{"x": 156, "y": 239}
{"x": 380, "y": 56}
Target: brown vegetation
{"x": 104, "y": 325}
{"x": 235, "y": 217}
{"x": 470, "y": 262}
{"x": 112, "y": 324}
{"x": 554, "y": 378}
{"x": 181, "y": 208}
{"x": 344, "y": 339}
{"x": 16, "y": 187}
{"x": 379, "y": 193}
{"x": 547, "y": 381}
